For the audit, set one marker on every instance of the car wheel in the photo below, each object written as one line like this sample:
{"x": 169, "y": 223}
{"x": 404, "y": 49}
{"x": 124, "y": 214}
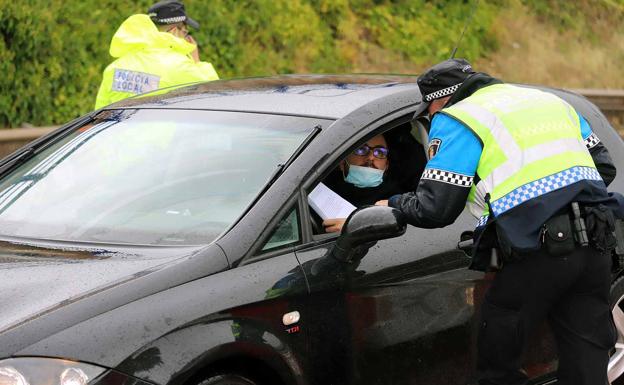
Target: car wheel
{"x": 616, "y": 361}
{"x": 227, "y": 379}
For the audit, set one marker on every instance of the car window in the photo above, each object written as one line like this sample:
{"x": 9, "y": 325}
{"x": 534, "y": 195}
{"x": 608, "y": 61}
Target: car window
{"x": 286, "y": 232}
{"x": 154, "y": 177}
{"x": 401, "y": 162}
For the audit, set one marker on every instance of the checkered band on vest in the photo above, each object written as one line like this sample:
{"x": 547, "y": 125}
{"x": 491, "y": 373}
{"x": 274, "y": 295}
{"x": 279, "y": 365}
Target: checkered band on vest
{"x": 591, "y": 141}
{"x": 442, "y": 93}
{"x": 543, "y": 186}
{"x": 172, "y": 20}
{"x": 448, "y": 177}
{"x": 482, "y": 221}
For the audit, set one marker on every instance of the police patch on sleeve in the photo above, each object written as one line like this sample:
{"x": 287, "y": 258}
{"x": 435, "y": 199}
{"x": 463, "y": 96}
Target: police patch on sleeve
{"x": 134, "y": 82}
{"x": 434, "y": 146}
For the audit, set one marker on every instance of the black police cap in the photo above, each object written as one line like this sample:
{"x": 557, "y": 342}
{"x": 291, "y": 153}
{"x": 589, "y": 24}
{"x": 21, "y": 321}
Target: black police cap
{"x": 170, "y": 12}
{"x": 444, "y": 78}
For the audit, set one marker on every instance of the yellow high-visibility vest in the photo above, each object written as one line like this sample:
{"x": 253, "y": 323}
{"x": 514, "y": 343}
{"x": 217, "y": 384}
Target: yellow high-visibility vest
{"x": 148, "y": 60}
{"x": 532, "y": 145}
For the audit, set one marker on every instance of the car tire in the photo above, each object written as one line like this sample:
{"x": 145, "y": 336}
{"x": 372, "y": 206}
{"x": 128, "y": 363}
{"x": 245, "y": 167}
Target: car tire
{"x": 227, "y": 379}
{"x": 616, "y": 361}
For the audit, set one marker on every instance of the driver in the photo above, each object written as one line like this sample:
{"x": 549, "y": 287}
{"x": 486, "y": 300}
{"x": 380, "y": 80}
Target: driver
{"x": 373, "y": 171}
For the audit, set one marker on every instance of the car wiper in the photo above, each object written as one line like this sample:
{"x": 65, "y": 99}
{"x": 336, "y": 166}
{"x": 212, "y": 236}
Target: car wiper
{"x": 281, "y": 167}
{"x": 315, "y": 131}
{"x": 25, "y": 153}
{"x": 18, "y": 158}
{"x": 278, "y": 171}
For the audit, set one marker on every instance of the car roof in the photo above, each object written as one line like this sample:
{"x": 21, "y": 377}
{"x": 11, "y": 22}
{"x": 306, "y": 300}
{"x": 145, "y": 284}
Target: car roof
{"x": 323, "y": 96}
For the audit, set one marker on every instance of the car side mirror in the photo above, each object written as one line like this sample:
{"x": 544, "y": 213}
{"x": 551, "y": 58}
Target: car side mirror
{"x": 365, "y": 226}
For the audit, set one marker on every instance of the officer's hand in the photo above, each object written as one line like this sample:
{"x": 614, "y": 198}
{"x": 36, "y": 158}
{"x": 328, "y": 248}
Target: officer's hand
{"x": 333, "y": 225}
{"x": 382, "y": 203}
{"x": 195, "y": 53}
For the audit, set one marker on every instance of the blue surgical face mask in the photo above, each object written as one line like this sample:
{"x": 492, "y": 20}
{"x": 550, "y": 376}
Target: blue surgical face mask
{"x": 364, "y": 176}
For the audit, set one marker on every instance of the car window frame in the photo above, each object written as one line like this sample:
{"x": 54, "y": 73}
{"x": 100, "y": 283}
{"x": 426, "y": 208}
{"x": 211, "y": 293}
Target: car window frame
{"x": 257, "y": 254}
{"x": 291, "y": 243}
{"x": 299, "y": 197}
{"x": 308, "y": 184}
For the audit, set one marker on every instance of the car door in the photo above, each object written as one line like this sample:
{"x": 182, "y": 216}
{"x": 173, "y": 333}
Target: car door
{"x": 406, "y": 313}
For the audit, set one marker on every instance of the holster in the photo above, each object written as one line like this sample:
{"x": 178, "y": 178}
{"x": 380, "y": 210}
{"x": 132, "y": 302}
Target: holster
{"x": 558, "y": 236}
{"x": 601, "y": 228}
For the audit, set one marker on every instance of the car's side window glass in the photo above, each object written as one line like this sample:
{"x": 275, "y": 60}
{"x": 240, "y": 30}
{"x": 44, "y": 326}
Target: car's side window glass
{"x": 375, "y": 169}
{"x": 285, "y": 233}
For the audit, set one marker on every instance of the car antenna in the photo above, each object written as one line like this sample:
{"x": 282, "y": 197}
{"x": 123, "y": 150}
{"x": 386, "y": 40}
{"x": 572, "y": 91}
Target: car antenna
{"x": 474, "y": 10}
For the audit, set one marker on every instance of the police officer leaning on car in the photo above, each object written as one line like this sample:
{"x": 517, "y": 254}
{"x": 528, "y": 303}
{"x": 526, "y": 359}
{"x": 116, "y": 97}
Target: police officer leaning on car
{"x": 153, "y": 51}
{"x": 533, "y": 172}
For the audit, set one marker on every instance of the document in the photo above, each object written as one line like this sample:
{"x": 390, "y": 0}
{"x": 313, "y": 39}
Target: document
{"x": 328, "y": 204}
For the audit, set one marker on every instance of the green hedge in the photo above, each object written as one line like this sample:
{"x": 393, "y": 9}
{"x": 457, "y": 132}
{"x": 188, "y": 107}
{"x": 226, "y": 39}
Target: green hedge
{"x": 52, "y": 52}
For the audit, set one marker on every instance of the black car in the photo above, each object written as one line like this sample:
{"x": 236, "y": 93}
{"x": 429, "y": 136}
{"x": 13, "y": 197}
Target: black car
{"x": 167, "y": 239}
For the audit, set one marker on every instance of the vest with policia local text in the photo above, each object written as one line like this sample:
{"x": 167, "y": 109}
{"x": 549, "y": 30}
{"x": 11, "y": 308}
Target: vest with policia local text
{"x": 532, "y": 146}
{"x": 146, "y": 60}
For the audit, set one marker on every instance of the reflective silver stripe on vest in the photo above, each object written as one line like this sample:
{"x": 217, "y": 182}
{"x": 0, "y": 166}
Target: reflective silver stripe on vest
{"x": 516, "y": 157}
{"x": 542, "y": 186}
{"x": 477, "y": 205}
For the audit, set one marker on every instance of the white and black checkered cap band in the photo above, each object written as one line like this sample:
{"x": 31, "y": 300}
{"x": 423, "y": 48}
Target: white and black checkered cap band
{"x": 442, "y": 93}
{"x": 171, "y": 20}
{"x": 448, "y": 177}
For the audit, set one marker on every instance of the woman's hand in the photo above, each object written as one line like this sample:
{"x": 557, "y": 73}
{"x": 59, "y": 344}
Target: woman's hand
{"x": 333, "y": 225}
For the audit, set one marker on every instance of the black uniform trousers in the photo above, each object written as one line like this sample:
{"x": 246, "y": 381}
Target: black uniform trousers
{"x": 572, "y": 291}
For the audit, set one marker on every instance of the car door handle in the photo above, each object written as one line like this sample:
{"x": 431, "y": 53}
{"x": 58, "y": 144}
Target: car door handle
{"x": 465, "y": 245}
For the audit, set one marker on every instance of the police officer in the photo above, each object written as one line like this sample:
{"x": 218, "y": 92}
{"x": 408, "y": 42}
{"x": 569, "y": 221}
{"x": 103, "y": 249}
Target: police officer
{"x": 153, "y": 51}
{"x": 533, "y": 172}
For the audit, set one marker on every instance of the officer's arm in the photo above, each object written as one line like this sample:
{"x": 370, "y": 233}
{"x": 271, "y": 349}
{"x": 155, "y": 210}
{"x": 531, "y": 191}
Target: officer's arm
{"x": 598, "y": 151}
{"x": 187, "y": 71}
{"x": 441, "y": 194}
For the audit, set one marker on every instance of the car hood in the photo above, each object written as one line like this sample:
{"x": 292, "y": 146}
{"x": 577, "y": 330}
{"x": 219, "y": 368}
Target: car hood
{"x": 36, "y": 280}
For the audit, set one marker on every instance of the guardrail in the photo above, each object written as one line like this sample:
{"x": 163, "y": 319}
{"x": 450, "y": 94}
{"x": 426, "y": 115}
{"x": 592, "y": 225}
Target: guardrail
{"x": 12, "y": 139}
{"x": 610, "y": 102}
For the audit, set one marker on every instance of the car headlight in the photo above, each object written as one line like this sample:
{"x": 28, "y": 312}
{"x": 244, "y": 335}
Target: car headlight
{"x": 46, "y": 371}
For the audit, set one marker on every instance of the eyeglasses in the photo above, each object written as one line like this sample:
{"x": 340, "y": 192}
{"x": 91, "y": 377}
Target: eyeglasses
{"x": 379, "y": 152}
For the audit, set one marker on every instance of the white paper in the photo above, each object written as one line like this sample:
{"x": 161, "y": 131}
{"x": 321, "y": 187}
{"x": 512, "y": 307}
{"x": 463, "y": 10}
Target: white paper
{"x": 328, "y": 204}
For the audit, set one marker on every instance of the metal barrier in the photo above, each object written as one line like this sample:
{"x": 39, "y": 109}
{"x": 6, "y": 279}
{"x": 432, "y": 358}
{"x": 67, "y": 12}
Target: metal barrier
{"x": 12, "y": 139}
{"x": 610, "y": 102}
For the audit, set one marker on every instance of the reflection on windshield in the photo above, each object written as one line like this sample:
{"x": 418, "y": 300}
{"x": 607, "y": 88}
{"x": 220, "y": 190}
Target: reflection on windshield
{"x": 159, "y": 177}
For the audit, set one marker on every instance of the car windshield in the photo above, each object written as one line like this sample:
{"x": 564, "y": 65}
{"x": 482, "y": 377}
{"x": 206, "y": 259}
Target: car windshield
{"x": 151, "y": 177}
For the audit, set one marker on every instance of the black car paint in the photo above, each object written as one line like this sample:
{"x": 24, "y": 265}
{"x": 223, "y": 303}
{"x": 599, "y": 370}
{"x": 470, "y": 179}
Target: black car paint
{"x": 404, "y": 313}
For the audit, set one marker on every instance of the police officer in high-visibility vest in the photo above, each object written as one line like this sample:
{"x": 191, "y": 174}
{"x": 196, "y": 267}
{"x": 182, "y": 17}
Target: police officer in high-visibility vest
{"x": 153, "y": 51}
{"x": 533, "y": 172}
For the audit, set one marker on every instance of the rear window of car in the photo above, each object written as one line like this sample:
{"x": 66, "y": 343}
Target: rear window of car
{"x": 150, "y": 177}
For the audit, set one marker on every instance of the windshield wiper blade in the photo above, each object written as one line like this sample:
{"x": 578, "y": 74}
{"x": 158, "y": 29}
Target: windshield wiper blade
{"x": 315, "y": 131}
{"x": 281, "y": 167}
{"x": 278, "y": 171}
{"x": 25, "y": 153}
{"x": 18, "y": 158}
